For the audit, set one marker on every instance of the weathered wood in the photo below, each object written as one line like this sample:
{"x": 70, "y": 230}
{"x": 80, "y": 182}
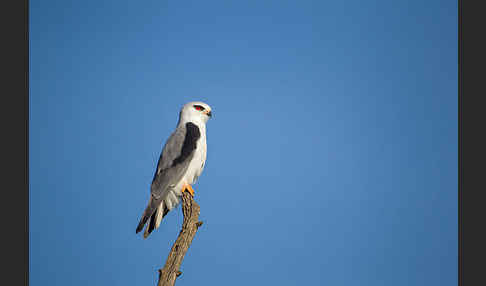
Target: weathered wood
{"x": 190, "y": 210}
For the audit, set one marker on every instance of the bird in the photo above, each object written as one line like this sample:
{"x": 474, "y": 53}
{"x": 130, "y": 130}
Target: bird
{"x": 180, "y": 164}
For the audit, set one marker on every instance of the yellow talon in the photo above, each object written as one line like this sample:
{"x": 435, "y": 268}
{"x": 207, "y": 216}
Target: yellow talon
{"x": 188, "y": 188}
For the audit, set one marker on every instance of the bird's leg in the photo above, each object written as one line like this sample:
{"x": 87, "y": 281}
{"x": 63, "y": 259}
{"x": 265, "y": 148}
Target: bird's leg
{"x": 188, "y": 188}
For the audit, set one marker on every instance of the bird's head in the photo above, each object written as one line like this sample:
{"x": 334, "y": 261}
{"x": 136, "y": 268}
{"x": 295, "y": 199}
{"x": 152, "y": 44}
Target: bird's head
{"x": 195, "y": 111}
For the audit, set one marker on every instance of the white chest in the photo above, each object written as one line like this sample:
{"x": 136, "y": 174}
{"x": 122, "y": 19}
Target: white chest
{"x": 197, "y": 163}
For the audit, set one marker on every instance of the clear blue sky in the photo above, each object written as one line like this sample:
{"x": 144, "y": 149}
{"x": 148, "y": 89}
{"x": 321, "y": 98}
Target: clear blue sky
{"x": 332, "y": 152}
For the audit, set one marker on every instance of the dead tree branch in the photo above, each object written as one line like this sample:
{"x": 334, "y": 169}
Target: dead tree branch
{"x": 190, "y": 210}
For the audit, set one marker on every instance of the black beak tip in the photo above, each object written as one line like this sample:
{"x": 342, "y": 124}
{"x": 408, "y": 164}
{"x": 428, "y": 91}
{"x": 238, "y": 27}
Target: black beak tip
{"x": 210, "y": 114}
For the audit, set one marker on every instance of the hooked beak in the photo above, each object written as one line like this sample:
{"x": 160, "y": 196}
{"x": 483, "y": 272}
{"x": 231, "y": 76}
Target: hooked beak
{"x": 208, "y": 113}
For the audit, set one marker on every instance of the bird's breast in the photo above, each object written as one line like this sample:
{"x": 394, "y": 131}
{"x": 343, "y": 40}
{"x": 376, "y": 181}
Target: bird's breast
{"x": 197, "y": 164}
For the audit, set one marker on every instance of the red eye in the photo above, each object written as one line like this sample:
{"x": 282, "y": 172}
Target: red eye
{"x": 198, "y": 107}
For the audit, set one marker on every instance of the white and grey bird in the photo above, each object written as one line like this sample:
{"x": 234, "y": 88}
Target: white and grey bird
{"x": 180, "y": 164}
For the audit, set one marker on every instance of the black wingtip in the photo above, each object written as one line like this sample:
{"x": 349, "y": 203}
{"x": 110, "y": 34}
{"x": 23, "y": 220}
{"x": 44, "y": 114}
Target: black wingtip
{"x": 141, "y": 224}
{"x": 151, "y": 225}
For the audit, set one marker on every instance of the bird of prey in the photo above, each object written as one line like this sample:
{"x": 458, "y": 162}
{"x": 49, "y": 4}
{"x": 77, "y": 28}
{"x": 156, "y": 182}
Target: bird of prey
{"x": 180, "y": 164}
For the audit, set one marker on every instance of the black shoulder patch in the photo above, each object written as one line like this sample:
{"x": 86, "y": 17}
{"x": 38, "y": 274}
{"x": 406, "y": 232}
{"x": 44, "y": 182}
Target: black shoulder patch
{"x": 190, "y": 142}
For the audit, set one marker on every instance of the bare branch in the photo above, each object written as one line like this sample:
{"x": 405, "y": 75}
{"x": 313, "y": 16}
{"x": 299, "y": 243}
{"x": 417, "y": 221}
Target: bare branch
{"x": 190, "y": 210}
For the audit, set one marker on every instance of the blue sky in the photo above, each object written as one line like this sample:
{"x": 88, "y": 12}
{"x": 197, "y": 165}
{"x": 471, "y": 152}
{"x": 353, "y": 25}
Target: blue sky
{"x": 332, "y": 152}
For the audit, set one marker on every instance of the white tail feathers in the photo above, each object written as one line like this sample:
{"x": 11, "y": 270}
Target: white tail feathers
{"x": 171, "y": 201}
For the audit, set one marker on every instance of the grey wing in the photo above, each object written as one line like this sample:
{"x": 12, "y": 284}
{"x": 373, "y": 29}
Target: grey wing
{"x": 175, "y": 158}
{"x": 173, "y": 163}
{"x": 171, "y": 151}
